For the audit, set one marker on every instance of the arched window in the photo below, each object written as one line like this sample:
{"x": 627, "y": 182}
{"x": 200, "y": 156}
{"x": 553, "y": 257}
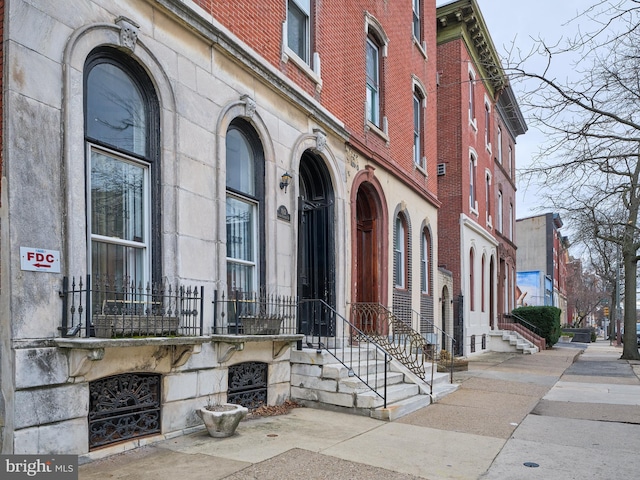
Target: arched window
{"x": 425, "y": 262}
{"x": 500, "y": 211}
{"x": 472, "y": 292}
{"x": 483, "y": 290}
{"x": 373, "y": 80}
{"x": 400, "y": 252}
{"x": 122, "y": 139}
{"x": 473, "y": 199}
{"x": 418, "y": 128}
{"x": 472, "y": 95}
{"x": 245, "y": 185}
{"x": 375, "y": 50}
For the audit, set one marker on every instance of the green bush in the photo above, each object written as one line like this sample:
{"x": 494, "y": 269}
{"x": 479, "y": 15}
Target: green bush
{"x": 547, "y": 319}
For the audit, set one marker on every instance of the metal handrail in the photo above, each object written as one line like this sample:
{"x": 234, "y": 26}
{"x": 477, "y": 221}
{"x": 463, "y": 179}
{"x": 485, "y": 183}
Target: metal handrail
{"x": 404, "y": 344}
{"x": 516, "y": 319}
{"x": 530, "y": 326}
{"x": 438, "y": 349}
{"x": 351, "y": 347}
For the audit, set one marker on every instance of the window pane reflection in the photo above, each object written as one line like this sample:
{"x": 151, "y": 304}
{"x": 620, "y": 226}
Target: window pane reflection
{"x": 115, "y": 109}
{"x": 117, "y": 208}
{"x": 240, "y": 221}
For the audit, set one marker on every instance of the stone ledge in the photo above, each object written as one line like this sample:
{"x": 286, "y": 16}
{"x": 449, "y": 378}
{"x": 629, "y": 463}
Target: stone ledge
{"x": 93, "y": 342}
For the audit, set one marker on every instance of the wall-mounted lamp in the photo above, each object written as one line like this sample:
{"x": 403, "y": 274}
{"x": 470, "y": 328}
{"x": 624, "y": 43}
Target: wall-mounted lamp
{"x": 284, "y": 181}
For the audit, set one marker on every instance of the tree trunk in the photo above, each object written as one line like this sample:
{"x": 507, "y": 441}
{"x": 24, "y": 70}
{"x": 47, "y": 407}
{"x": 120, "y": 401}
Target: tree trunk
{"x": 630, "y": 348}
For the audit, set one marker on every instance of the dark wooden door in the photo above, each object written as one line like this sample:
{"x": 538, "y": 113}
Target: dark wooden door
{"x": 367, "y": 256}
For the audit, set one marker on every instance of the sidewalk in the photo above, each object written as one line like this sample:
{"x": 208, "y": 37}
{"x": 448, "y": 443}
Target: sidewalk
{"x": 510, "y": 409}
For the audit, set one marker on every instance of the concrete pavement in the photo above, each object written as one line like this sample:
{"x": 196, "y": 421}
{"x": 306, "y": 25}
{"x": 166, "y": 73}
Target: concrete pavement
{"x": 572, "y": 420}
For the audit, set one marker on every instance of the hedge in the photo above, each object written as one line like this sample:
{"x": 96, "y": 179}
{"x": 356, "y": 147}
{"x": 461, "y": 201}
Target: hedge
{"x": 547, "y": 319}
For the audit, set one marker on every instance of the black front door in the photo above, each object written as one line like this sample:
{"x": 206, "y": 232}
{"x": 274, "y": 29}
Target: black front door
{"x": 316, "y": 248}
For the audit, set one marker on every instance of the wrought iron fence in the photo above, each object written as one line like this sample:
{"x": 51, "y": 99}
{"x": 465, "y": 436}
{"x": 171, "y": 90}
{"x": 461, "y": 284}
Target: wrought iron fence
{"x": 109, "y": 308}
{"x": 251, "y": 313}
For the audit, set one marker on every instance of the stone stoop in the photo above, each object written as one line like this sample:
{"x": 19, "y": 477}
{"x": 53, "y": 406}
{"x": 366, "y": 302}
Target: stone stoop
{"x": 319, "y": 380}
{"x": 517, "y": 342}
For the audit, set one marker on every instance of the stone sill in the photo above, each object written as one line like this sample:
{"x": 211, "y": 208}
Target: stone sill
{"x": 94, "y": 342}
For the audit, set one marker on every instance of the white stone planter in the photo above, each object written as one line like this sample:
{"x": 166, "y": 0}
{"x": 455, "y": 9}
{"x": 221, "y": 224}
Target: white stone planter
{"x": 222, "y": 420}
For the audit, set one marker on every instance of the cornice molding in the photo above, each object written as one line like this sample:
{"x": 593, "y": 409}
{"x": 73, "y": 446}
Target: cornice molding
{"x": 463, "y": 19}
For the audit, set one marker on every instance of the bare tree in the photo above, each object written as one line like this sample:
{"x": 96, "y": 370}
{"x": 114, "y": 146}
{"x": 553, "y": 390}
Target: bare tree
{"x": 584, "y": 292}
{"x": 590, "y": 163}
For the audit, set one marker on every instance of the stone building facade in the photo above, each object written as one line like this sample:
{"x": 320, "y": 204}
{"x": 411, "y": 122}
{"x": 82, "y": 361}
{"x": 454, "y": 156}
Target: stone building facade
{"x": 167, "y": 157}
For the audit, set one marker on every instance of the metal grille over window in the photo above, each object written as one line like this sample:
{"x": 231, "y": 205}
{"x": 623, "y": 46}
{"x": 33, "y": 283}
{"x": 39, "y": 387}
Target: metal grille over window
{"x": 123, "y": 407}
{"x": 248, "y": 384}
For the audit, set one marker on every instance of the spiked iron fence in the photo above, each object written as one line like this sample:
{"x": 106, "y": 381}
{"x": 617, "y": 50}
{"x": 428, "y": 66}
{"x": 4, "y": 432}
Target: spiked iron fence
{"x": 109, "y": 307}
{"x": 251, "y": 313}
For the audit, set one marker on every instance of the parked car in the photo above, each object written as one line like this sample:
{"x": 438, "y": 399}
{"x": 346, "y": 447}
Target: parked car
{"x": 638, "y": 333}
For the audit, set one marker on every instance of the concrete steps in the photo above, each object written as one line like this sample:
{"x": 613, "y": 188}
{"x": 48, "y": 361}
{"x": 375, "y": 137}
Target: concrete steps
{"x": 515, "y": 342}
{"x": 319, "y": 380}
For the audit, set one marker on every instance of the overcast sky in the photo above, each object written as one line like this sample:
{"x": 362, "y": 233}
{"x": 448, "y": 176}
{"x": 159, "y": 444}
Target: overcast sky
{"x": 519, "y": 21}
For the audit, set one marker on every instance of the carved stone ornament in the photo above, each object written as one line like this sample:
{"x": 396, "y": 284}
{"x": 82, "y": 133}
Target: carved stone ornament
{"x": 129, "y": 31}
{"x": 250, "y": 105}
{"x": 321, "y": 140}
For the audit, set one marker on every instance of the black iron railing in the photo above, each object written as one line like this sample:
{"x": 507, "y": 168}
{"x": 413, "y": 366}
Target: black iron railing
{"x": 363, "y": 357}
{"x": 440, "y": 347}
{"x": 251, "y": 313}
{"x": 110, "y": 308}
{"x": 418, "y": 352}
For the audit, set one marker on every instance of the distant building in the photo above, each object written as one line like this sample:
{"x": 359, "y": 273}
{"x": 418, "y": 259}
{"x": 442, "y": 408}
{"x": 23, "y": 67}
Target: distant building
{"x": 542, "y": 262}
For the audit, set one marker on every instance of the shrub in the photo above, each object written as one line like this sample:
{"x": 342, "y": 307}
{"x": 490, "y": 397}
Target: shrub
{"x": 547, "y": 319}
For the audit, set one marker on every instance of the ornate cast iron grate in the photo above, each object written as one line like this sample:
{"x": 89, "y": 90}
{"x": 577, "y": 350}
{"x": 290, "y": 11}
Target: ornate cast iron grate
{"x": 248, "y": 384}
{"x": 123, "y": 407}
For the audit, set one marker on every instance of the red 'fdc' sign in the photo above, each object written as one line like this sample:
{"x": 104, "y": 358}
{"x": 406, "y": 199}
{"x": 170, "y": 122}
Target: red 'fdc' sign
{"x": 39, "y": 260}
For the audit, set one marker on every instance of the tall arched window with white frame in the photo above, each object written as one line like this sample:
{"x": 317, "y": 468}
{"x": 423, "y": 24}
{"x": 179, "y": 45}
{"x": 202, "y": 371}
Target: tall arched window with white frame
{"x": 425, "y": 262}
{"x": 123, "y": 171}
{"x": 400, "y": 252}
{"x": 472, "y": 281}
{"x": 244, "y": 216}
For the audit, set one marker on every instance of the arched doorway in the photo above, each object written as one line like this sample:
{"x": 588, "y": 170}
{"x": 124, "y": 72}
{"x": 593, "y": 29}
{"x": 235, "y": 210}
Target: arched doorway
{"x": 316, "y": 246}
{"x": 370, "y": 245}
{"x": 367, "y": 248}
{"x": 492, "y": 310}
{"x": 444, "y": 318}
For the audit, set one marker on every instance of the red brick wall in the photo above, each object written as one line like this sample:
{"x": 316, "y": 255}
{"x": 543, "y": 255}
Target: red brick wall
{"x": 1, "y": 75}
{"x": 453, "y": 186}
{"x": 343, "y": 75}
{"x": 455, "y": 137}
{"x": 503, "y": 180}
{"x": 340, "y": 41}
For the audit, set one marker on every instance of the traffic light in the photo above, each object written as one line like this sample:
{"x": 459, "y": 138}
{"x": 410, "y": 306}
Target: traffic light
{"x": 606, "y": 311}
